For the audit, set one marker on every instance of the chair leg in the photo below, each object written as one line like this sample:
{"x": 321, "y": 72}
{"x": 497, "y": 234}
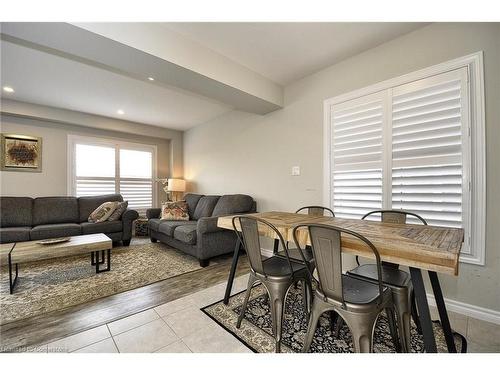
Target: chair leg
{"x": 414, "y": 312}
{"x": 338, "y": 328}
{"x": 316, "y": 311}
{"x": 392, "y": 327}
{"x": 403, "y": 315}
{"x": 307, "y": 295}
{"x": 251, "y": 281}
{"x": 277, "y": 302}
{"x": 361, "y": 327}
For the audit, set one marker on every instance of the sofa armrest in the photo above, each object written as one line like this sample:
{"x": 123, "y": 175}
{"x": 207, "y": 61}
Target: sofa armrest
{"x": 128, "y": 218}
{"x": 208, "y": 225}
{"x": 153, "y": 213}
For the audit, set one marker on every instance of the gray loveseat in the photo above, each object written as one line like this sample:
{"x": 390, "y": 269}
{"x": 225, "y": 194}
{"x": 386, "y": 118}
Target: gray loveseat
{"x": 200, "y": 236}
{"x": 28, "y": 219}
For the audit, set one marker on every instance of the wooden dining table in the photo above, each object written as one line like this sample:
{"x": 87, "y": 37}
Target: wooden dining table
{"x": 420, "y": 247}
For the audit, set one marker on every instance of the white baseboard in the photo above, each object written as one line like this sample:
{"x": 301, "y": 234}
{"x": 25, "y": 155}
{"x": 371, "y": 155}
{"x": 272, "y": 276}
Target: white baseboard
{"x": 466, "y": 309}
{"x": 463, "y": 308}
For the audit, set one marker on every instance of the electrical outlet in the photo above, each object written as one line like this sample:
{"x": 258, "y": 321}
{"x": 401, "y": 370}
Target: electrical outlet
{"x": 296, "y": 171}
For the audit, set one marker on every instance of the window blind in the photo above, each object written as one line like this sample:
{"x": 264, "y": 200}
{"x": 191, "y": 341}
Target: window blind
{"x": 356, "y": 156}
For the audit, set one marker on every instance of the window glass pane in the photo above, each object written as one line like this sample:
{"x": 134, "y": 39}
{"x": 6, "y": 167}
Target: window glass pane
{"x": 94, "y": 161}
{"x": 136, "y": 164}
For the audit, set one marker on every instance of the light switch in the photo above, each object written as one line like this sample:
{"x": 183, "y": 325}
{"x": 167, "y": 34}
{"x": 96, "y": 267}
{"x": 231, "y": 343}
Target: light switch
{"x": 296, "y": 171}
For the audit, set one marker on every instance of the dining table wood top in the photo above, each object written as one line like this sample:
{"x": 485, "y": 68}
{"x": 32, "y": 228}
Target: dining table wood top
{"x": 426, "y": 247}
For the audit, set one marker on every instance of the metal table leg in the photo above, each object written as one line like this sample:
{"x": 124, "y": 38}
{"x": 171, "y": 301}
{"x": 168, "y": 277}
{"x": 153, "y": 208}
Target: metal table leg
{"x": 443, "y": 314}
{"x": 105, "y": 257}
{"x": 234, "y": 265}
{"x": 12, "y": 283}
{"x": 423, "y": 310}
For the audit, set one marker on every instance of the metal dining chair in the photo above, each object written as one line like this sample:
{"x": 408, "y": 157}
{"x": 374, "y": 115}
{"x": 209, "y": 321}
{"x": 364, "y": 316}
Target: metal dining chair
{"x": 276, "y": 273}
{"x": 357, "y": 301}
{"x": 397, "y": 280}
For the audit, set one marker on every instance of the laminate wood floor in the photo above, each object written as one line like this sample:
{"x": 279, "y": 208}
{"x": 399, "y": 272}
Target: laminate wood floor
{"x": 16, "y": 336}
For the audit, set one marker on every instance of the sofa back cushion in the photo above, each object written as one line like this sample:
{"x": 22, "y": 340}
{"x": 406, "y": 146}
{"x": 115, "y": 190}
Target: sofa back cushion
{"x": 205, "y": 206}
{"x": 16, "y": 212}
{"x": 87, "y": 205}
{"x": 55, "y": 210}
{"x": 233, "y": 204}
{"x": 192, "y": 201}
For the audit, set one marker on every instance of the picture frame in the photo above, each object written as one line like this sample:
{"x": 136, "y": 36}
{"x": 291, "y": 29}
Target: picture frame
{"x": 20, "y": 153}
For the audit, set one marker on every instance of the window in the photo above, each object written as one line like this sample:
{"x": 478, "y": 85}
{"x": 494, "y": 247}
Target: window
{"x": 413, "y": 143}
{"x": 106, "y": 167}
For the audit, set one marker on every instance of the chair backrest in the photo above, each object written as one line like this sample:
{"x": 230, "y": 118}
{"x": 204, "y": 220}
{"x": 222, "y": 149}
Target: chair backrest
{"x": 316, "y": 210}
{"x": 326, "y": 243}
{"x": 395, "y": 216}
{"x": 250, "y": 238}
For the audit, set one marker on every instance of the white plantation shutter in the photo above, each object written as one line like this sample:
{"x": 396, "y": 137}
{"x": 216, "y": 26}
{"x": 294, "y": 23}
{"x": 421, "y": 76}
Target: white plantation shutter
{"x": 138, "y": 193}
{"x": 427, "y": 142}
{"x": 356, "y": 156}
{"x": 406, "y": 147}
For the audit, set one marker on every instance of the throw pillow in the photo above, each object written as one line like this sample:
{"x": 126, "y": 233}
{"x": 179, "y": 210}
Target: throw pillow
{"x": 120, "y": 209}
{"x": 174, "y": 211}
{"x": 102, "y": 212}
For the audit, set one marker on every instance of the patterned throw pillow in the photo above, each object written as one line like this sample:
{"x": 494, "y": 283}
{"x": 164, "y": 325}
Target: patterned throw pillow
{"x": 117, "y": 214}
{"x": 102, "y": 212}
{"x": 174, "y": 211}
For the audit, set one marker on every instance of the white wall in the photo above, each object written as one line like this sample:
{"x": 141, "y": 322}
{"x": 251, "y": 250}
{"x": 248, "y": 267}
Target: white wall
{"x": 252, "y": 154}
{"x": 53, "y": 178}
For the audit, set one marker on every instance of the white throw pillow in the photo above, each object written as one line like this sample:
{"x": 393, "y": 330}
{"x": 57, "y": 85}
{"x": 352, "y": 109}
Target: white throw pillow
{"x": 102, "y": 212}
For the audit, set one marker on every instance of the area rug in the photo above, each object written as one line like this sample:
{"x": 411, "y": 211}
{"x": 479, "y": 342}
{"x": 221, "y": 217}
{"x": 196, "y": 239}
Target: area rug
{"x": 60, "y": 283}
{"x": 256, "y": 328}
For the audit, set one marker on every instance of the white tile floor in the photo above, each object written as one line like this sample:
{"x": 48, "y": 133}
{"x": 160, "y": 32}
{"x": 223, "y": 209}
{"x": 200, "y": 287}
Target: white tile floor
{"x": 175, "y": 327}
{"x": 180, "y": 327}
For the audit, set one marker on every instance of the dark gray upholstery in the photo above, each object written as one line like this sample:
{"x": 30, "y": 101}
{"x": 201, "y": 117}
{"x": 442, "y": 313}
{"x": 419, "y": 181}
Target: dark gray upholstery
{"x": 88, "y": 204}
{"x": 104, "y": 227}
{"x": 192, "y": 201}
{"x": 25, "y": 219}
{"x": 186, "y": 233}
{"x": 15, "y": 211}
{"x": 55, "y": 210}
{"x": 200, "y": 237}
{"x": 205, "y": 206}
{"x": 168, "y": 226}
{"x": 14, "y": 234}
{"x": 233, "y": 204}
{"x": 44, "y": 231}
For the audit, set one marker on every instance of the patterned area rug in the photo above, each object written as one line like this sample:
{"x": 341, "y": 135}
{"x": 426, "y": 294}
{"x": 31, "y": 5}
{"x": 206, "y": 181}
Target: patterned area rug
{"x": 59, "y": 283}
{"x": 256, "y": 328}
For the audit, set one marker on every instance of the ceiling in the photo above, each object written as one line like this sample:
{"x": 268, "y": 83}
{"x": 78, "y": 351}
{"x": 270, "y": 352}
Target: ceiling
{"x": 285, "y": 52}
{"x": 46, "y": 79}
{"x": 281, "y": 52}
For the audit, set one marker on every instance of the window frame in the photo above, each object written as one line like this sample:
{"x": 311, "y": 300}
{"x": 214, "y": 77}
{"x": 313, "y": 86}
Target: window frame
{"x": 117, "y": 144}
{"x": 476, "y": 106}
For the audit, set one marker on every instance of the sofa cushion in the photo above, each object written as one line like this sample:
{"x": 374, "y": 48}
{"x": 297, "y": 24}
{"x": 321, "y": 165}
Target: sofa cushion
{"x": 153, "y": 224}
{"x": 41, "y": 232}
{"x": 14, "y": 234}
{"x": 102, "y": 212}
{"x": 192, "y": 201}
{"x": 55, "y": 210}
{"x": 205, "y": 206}
{"x": 15, "y": 211}
{"x": 233, "y": 204}
{"x": 117, "y": 215}
{"x": 177, "y": 210}
{"x": 103, "y": 227}
{"x": 186, "y": 233}
{"x": 168, "y": 226}
{"x": 86, "y": 205}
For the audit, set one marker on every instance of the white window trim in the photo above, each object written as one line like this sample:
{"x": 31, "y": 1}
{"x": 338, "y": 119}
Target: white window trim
{"x": 474, "y": 64}
{"x": 73, "y": 139}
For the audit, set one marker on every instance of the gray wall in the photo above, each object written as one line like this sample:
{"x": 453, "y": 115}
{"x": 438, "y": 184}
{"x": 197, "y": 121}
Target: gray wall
{"x": 252, "y": 154}
{"x": 53, "y": 178}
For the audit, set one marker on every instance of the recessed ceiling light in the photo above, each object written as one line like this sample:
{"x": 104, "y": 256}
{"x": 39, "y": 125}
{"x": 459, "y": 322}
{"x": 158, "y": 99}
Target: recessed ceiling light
{"x": 151, "y": 78}
{"x": 8, "y": 89}
{"x": 120, "y": 112}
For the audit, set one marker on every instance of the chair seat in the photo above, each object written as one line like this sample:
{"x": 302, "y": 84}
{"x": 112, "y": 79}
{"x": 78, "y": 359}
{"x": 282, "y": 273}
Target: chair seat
{"x": 278, "y": 266}
{"x": 359, "y": 292}
{"x": 390, "y": 276}
{"x": 295, "y": 254}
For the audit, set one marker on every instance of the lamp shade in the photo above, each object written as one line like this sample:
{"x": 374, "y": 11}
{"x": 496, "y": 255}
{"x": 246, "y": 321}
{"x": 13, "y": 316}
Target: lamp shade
{"x": 176, "y": 184}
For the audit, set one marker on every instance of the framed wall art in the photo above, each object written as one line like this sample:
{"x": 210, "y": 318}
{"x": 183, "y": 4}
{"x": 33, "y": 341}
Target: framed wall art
{"x": 21, "y": 153}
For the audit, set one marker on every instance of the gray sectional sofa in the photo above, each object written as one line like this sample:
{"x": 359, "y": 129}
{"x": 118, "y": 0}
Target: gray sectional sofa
{"x": 200, "y": 236}
{"x": 27, "y": 219}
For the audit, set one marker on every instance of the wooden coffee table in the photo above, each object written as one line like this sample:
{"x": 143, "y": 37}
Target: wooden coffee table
{"x": 31, "y": 251}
